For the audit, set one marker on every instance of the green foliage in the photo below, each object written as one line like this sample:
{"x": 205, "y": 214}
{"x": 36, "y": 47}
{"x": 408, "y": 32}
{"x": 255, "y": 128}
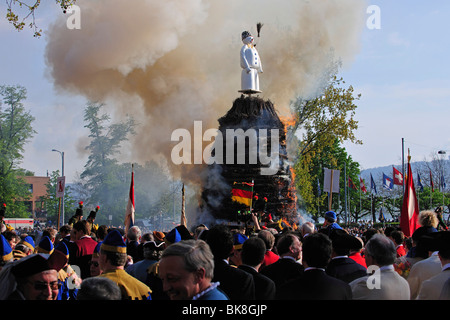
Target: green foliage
{"x": 19, "y": 12}
{"x": 105, "y": 182}
{"x": 321, "y": 124}
{"x": 51, "y": 203}
{"x": 310, "y": 173}
{"x": 103, "y": 178}
{"x": 15, "y": 131}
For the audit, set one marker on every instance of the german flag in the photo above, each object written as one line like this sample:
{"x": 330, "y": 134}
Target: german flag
{"x": 242, "y": 193}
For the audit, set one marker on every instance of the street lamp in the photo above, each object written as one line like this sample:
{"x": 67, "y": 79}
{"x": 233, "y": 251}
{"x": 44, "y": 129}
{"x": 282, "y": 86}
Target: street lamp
{"x": 62, "y": 174}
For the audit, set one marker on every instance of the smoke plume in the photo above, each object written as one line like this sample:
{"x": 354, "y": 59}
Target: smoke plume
{"x": 171, "y": 62}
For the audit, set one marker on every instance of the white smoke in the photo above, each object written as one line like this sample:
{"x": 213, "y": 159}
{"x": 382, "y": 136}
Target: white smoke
{"x": 171, "y": 62}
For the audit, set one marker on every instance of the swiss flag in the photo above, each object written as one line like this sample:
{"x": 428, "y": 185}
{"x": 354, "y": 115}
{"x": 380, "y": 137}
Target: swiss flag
{"x": 398, "y": 177}
{"x": 410, "y": 209}
{"x": 361, "y": 185}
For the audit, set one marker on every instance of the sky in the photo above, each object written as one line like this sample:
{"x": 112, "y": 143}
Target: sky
{"x": 401, "y": 70}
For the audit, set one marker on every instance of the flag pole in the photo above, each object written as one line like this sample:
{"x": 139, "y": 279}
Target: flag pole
{"x": 331, "y": 191}
{"x": 360, "y": 206}
{"x": 251, "y": 200}
{"x": 183, "y": 221}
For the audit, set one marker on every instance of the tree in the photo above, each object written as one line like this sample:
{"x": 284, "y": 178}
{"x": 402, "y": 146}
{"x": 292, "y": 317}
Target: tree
{"x": 20, "y": 20}
{"x": 325, "y": 118}
{"x": 310, "y": 176}
{"x": 103, "y": 177}
{"x": 15, "y": 131}
{"x": 320, "y": 124}
{"x": 51, "y": 203}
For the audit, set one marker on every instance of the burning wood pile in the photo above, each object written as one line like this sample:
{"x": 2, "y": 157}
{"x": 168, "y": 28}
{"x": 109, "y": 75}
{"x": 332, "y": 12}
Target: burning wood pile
{"x": 251, "y": 119}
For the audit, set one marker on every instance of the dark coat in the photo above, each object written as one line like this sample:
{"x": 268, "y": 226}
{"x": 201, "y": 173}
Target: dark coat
{"x": 236, "y": 283}
{"x": 315, "y": 284}
{"x": 282, "y": 271}
{"x": 264, "y": 287}
{"x": 345, "y": 269}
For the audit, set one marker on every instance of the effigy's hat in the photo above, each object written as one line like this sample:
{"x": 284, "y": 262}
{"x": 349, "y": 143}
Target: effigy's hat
{"x": 246, "y": 34}
{"x": 238, "y": 240}
{"x": 172, "y": 237}
{"x": 5, "y": 249}
{"x": 29, "y": 242}
{"x": 114, "y": 242}
{"x": 45, "y": 246}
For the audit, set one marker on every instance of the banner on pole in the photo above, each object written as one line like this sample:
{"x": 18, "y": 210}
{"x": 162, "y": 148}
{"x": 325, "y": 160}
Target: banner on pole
{"x": 60, "y": 186}
{"x": 331, "y": 180}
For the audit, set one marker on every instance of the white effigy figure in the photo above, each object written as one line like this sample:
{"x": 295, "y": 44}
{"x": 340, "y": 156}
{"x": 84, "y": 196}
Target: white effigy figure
{"x": 250, "y": 64}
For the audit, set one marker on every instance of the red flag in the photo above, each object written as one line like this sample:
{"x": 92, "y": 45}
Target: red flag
{"x": 351, "y": 184}
{"x": 129, "y": 215}
{"x": 410, "y": 209}
{"x": 431, "y": 182}
{"x": 398, "y": 177}
{"x": 361, "y": 185}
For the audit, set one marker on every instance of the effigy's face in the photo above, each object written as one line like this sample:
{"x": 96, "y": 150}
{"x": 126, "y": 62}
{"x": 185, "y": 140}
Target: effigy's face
{"x": 248, "y": 40}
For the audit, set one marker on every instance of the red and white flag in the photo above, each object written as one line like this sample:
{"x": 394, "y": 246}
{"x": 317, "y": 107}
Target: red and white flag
{"x": 361, "y": 185}
{"x": 398, "y": 177}
{"x": 129, "y": 215}
{"x": 410, "y": 209}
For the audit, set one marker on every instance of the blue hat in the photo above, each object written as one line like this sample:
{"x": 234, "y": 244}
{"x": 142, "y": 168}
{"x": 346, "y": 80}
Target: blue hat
{"x": 330, "y": 215}
{"x": 62, "y": 247}
{"x": 29, "y": 242}
{"x": 172, "y": 237}
{"x": 114, "y": 242}
{"x": 5, "y": 249}
{"x": 238, "y": 240}
{"x": 97, "y": 250}
{"x": 45, "y": 246}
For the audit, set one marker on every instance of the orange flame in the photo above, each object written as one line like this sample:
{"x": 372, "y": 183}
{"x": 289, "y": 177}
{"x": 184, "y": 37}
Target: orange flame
{"x": 288, "y": 121}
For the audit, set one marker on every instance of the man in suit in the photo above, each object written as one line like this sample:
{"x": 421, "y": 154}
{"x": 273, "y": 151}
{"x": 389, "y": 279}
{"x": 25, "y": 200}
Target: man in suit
{"x": 269, "y": 240}
{"x": 385, "y": 283}
{"x": 186, "y": 268}
{"x": 341, "y": 266}
{"x": 315, "y": 284}
{"x": 83, "y": 249}
{"x": 253, "y": 251}
{"x": 431, "y": 289}
{"x": 421, "y": 271}
{"x": 236, "y": 283}
{"x": 287, "y": 267}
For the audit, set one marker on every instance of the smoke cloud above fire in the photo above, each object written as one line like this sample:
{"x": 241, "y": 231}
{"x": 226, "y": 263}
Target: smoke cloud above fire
{"x": 170, "y": 63}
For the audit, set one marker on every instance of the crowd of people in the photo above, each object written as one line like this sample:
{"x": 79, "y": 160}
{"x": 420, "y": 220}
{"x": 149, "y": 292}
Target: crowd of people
{"x": 84, "y": 261}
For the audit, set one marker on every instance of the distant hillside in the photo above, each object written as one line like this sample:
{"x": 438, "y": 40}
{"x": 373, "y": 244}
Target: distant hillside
{"x": 421, "y": 167}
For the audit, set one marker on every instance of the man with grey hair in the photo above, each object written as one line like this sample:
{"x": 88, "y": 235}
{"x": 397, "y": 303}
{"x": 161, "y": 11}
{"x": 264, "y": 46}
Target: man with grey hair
{"x": 133, "y": 240}
{"x": 385, "y": 283}
{"x": 98, "y": 288}
{"x": 186, "y": 270}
